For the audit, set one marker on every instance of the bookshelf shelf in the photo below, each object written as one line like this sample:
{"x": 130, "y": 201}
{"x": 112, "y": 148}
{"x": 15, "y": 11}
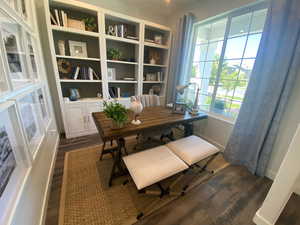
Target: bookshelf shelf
{"x": 80, "y": 81}
{"x": 127, "y": 40}
{"x": 78, "y": 58}
{"x": 74, "y": 31}
{"x": 154, "y": 45}
{"x": 122, "y": 62}
{"x": 153, "y": 82}
{"x": 123, "y": 81}
{"x": 154, "y": 65}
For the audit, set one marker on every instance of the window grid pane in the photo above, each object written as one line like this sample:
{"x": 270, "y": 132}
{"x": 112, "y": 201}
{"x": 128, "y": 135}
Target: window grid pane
{"x": 222, "y": 90}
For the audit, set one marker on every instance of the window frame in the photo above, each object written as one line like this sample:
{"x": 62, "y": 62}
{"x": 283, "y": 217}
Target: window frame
{"x": 229, "y": 15}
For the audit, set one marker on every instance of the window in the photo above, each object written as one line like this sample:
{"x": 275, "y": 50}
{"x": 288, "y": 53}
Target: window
{"x": 223, "y": 58}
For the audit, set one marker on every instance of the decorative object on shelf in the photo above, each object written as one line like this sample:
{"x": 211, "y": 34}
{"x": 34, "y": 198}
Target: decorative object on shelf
{"x": 90, "y": 24}
{"x": 74, "y": 94}
{"x": 179, "y": 108}
{"x": 151, "y": 91}
{"x": 110, "y": 30}
{"x": 154, "y": 56}
{"x": 64, "y": 66}
{"x": 78, "y": 49}
{"x": 151, "y": 77}
{"x": 156, "y": 89}
{"x": 66, "y": 99}
{"x": 77, "y": 24}
{"x": 61, "y": 47}
{"x": 114, "y": 54}
{"x": 111, "y": 73}
{"x": 158, "y": 39}
{"x": 152, "y": 61}
{"x": 99, "y": 95}
{"x": 180, "y": 90}
{"x": 117, "y": 113}
{"x": 136, "y": 107}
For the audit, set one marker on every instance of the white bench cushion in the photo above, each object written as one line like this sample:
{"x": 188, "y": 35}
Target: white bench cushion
{"x": 192, "y": 149}
{"x": 151, "y": 166}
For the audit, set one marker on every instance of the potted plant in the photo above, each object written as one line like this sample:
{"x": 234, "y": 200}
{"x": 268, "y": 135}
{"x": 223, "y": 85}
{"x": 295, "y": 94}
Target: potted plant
{"x": 117, "y": 113}
{"x": 114, "y": 54}
{"x": 90, "y": 24}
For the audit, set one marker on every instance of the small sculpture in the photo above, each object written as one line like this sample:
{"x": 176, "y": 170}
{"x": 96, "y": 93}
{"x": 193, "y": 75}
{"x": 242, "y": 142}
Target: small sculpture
{"x": 136, "y": 107}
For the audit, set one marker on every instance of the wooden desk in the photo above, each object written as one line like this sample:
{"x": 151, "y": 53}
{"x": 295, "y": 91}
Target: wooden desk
{"x": 151, "y": 118}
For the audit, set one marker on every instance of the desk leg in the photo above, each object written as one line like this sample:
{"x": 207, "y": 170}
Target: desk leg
{"x": 188, "y": 129}
{"x": 117, "y": 161}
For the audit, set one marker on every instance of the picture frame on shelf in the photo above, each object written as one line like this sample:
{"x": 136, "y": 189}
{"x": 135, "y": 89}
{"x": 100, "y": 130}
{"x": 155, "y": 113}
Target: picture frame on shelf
{"x": 78, "y": 49}
{"x": 179, "y": 108}
{"x": 14, "y": 158}
{"x": 111, "y": 74}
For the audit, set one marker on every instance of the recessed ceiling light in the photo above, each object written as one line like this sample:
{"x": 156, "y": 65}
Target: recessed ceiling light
{"x": 168, "y": 1}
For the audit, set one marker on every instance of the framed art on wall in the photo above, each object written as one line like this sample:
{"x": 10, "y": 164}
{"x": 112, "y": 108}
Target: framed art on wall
{"x": 14, "y": 159}
{"x": 43, "y": 104}
{"x": 11, "y": 34}
{"x": 31, "y": 118}
{"x": 32, "y": 56}
{"x": 3, "y": 79}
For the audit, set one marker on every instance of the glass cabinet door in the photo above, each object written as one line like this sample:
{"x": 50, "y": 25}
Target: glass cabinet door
{"x": 12, "y": 35}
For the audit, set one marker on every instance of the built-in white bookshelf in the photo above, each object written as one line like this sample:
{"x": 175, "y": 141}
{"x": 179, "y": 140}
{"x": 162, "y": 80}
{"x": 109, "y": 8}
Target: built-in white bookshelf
{"x": 128, "y": 54}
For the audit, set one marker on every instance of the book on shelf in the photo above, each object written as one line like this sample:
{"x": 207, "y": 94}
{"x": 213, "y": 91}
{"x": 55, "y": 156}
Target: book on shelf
{"x": 57, "y": 17}
{"x": 53, "y": 20}
{"x": 60, "y": 18}
{"x": 76, "y": 73}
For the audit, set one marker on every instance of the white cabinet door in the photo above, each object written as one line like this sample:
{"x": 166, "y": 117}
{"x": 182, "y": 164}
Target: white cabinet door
{"x": 75, "y": 116}
{"x": 90, "y": 108}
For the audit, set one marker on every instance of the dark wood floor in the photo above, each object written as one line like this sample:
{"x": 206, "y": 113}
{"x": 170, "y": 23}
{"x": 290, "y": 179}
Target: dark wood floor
{"x": 230, "y": 198}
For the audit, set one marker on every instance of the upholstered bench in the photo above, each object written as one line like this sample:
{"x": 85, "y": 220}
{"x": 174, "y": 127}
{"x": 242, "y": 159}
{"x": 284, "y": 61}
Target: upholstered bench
{"x": 154, "y": 165}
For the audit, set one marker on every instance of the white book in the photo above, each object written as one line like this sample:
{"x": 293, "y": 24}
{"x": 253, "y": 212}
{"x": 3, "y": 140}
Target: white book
{"x": 53, "y": 19}
{"x": 66, "y": 19}
{"x": 91, "y": 73}
{"x": 57, "y": 17}
{"x": 96, "y": 76}
{"x": 119, "y": 92}
{"x": 76, "y": 73}
{"x": 62, "y": 13}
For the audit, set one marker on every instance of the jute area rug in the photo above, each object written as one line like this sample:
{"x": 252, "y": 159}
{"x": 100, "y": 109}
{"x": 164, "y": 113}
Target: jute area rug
{"x": 86, "y": 198}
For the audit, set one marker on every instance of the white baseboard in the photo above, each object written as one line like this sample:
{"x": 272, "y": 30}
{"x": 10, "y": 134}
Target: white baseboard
{"x": 259, "y": 220}
{"x": 49, "y": 182}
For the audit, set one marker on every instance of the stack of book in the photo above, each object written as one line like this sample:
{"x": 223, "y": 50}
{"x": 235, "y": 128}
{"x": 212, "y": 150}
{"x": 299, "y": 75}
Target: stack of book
{"x": 84, "y": 73}
{"x": 59, "y": 18}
